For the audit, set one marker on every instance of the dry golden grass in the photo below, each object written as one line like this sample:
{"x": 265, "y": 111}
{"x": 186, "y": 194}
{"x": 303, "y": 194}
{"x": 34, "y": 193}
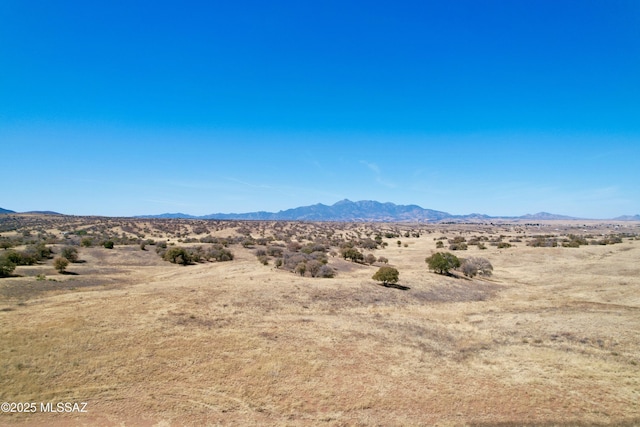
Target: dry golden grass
{"x": 552, "y": 338}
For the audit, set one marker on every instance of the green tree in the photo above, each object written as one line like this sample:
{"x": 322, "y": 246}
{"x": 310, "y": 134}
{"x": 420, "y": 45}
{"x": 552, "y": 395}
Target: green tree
{"x": 108, "y": 244}
{"x": 15, "y": 257}
{"x": 386, "y": 275}
{"x": 60, "y": 264}
{"x": 442, "y": 262}
{"x": 6, "y": 265}
{"x": 353, "y": 254}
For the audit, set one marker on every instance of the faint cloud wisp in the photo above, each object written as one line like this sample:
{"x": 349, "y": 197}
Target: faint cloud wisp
{"x": 378, "y": 174}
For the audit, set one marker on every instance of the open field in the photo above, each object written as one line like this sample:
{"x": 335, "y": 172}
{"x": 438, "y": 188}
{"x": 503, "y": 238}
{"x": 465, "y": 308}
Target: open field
{"x": 551, "y": 338}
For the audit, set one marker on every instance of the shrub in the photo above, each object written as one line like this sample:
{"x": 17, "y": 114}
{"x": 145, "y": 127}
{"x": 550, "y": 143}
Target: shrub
{"x": 542, "y": 242}
{"x": 439, "y": 244}
{"x": 218, "y": 253}
{"x": 368, "y": 244}
{"x": 108, "y": 244}
{"x": 458, "y": 246}
{"x": 383, "y": 260}
{"x": 301, "y": 268}
{"x": 370, "y": 259}
{"x": 313, "y": 267}
{"x": 325, "y": 272}
{"x": 313, "y": 247}
{"x": 87, "y": 242}
{"x": 60, "y": 264}
{"x": 70, "y": 253}
{"x": 386, "y": 275}
{"x": 38, "y": 251}
{"x": 504, "y": 245}
{"x": 274, "y": 251}
{"x": 177, "y": 255}
{"x": 294, "y": 246}
{"x": 442, "y": 262}
{"x": 578, "y": 239}
{"x": 475, "y": 265}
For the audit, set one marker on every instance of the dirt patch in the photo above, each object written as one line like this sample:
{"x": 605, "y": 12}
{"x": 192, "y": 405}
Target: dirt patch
{"x": 24, "y": 290}
{"x": 465, "y": 291}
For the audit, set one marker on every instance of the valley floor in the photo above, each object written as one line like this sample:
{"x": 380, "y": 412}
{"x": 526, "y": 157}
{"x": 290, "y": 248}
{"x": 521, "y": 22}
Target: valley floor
{"x": 550, "y": 339}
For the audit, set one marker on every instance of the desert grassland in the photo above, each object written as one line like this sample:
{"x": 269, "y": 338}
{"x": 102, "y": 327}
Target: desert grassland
{"x": 552, "y": 338}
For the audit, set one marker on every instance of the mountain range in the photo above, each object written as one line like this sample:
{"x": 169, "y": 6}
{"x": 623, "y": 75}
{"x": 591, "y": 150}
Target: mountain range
{"x": 7, "y": 211}
{"x": 361, "y": 211}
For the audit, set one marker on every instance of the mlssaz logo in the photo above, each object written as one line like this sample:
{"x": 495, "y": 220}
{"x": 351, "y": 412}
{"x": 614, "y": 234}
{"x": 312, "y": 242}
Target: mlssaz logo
{"x": 64, "y": 407}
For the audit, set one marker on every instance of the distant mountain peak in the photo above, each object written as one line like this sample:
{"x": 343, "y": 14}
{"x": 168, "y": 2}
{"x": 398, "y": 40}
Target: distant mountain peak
{"x": 546, "y": 216}
{"x": 43, "y": 212}
{"x": 628, "y": 218}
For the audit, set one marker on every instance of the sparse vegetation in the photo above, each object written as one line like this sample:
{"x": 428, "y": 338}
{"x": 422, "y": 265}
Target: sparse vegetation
{"x": 373, "y": 347}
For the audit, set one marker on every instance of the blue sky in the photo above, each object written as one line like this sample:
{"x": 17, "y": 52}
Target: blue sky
{"x": 497, "y": 107}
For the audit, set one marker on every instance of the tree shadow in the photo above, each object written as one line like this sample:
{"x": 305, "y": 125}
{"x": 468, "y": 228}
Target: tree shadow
{"x": 395, "y": 286}
{"x": 450, "y": 274}
{"x": 68, "y": 273}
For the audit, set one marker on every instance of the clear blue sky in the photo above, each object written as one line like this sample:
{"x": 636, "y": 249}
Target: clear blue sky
{"x": 497, "y": 107}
